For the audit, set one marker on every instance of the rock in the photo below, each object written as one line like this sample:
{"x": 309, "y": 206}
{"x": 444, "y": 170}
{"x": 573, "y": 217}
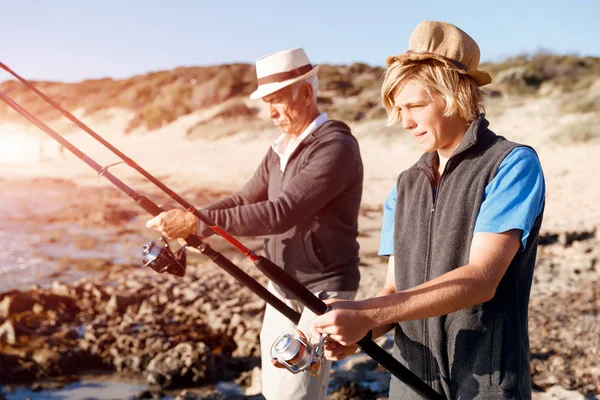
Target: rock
{"x": 17, "y": 369}
{"x": 8, "y": 334}
{"x": 564, "y": 331}
{"x": 186, "y": 362}
{"x": 184, "y": 395}
{"x": 37, "y": 308}
{"x": 147, "y": 394}
{"x": 46, "y": 357}
{"x": 47, "y": 385}
{"x": 118, "y": 304}
{"x": 15, "y": 302}
{"x": 255, "y": 386}
{"x": 60, "y": 289}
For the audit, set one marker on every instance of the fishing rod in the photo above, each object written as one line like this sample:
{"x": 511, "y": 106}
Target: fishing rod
{"x": 268, "y": 268}
{"x": 161, "y": 261}
{"x": 128, "y": 161}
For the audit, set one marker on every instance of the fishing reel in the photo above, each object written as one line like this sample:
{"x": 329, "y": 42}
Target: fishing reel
{"x": 161, "y": 258}
{"x": 293, "y": 351}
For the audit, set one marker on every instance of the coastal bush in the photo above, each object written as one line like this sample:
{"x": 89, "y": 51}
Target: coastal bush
{"x": 579, "y": 132}
{"x": 160, "y": 97}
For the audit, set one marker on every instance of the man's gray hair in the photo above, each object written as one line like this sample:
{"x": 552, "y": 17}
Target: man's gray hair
{"x": 312, "y": 80}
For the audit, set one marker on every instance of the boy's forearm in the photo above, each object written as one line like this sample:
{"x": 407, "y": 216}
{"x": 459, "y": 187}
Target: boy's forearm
{"x": 383, "y": 329}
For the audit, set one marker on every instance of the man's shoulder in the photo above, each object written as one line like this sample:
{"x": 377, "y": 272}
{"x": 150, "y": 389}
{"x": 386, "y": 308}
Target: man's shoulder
{"x": 334, "y": 127}
{"x": 332, "y": 136}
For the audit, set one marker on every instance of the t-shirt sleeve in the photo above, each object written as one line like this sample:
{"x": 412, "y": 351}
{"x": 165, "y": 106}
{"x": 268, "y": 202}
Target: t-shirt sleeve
{"x": 515, "y": 196}
{"x": 386, "y": 245}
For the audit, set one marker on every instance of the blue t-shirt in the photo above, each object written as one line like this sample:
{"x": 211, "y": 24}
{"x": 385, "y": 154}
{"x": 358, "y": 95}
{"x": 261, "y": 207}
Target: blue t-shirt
{"x": 513, "y": 200}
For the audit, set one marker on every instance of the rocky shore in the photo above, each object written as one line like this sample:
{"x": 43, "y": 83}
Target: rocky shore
{"x": 183, "y": 336}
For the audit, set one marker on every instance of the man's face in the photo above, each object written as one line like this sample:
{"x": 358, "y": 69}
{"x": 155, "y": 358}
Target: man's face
{"x": 423, "y": 116}
{"x": 287, "y": 113}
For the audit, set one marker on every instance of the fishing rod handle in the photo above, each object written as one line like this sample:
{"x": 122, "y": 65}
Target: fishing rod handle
{"x": 405, "y": 375}
{"x": 148, "y": 205}
{"x": 290, "y": 285}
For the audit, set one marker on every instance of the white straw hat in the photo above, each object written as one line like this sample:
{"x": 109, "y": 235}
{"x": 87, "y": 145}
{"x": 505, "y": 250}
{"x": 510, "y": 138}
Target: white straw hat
{"x": 283, "y": 68}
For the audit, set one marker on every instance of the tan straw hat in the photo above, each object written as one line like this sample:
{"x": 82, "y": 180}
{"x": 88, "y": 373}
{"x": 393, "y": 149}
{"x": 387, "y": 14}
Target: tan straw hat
{"x": 278, "y": 70}
{"x": 446, "y": 43}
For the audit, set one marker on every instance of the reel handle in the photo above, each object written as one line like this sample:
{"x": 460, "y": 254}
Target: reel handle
{"x": 162, "y": 259}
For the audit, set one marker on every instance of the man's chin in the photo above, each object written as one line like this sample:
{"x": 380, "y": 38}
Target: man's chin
{"x": 283, "y": 128}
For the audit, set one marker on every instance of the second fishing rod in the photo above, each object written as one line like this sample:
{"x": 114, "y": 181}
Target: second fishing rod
{"x": 272, "y": 271}
{"x": 276, "y": 274}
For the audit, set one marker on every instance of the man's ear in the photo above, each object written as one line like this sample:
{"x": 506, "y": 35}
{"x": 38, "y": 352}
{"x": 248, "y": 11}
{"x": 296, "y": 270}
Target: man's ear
{"x": 307, "y": 92}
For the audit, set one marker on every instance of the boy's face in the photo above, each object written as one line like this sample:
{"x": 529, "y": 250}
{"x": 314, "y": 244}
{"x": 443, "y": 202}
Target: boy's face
{"x": 423, "y": 116}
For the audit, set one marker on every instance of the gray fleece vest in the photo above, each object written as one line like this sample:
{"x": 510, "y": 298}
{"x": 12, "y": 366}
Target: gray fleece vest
{"x": 481, "y": 352}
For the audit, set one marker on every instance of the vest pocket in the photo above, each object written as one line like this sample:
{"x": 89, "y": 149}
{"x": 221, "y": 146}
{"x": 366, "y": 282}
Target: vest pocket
{"x": 312, "y": 251}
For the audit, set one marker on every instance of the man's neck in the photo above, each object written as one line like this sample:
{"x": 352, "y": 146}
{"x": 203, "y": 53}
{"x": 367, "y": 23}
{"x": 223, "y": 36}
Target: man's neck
{"x": 309, "y": 119}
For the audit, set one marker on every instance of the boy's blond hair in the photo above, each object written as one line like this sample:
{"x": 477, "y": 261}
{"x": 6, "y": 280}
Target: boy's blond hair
{"x": 460, "y": 93}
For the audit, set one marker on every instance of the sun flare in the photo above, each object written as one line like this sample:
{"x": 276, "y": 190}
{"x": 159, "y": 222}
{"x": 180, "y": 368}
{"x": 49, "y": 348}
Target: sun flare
{"x": 18, "y": 148}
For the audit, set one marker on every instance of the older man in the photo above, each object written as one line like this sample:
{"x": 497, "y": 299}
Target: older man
{"x": 304, "y": 197}
{"x": 466, "y": 224}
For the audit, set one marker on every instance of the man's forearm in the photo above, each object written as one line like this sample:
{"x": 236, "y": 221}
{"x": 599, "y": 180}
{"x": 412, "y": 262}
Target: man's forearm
{"x": 230, "y": 201}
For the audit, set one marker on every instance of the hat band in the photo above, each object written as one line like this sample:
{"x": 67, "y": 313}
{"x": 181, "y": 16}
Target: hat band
{"x": 457, "y": 64}
{"x": 284, "y": 76}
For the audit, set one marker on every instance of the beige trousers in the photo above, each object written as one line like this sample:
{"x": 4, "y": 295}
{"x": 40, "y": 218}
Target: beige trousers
{"x": 279, "y": 383}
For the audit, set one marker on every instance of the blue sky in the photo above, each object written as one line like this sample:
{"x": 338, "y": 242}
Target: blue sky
{"x": 74, "y": 40}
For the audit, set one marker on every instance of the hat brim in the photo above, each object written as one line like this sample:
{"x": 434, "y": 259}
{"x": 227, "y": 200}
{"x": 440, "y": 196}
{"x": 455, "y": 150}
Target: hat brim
{"x": 480, "y": 77}
{"x": 265, "y": 90}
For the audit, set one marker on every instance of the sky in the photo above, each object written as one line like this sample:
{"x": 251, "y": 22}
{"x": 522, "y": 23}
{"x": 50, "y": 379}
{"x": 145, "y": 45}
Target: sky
{"x": 74, "y": 40}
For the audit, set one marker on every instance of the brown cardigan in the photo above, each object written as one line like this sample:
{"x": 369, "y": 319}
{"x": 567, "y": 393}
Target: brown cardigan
{"x": 309, "y": 213}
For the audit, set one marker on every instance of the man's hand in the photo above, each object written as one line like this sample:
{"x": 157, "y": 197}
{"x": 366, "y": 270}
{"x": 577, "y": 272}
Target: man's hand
{"x": 174, "y": 224}
{"x": 335, "y": 351}
{"x": 346, "y": 323}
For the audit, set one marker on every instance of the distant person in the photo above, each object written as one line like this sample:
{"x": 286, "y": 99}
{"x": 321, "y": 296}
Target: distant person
{"x": 466, "y": 219}
{"x": 304, "y": 198}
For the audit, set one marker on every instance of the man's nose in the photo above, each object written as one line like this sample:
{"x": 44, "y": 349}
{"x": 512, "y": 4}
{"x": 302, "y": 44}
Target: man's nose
{"x": 273, "y": 111}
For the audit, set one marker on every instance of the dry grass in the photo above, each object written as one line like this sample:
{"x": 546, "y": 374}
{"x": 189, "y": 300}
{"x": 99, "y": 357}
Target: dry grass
{"x": 584, "y": 130}
{"x": 527, "y": 72}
